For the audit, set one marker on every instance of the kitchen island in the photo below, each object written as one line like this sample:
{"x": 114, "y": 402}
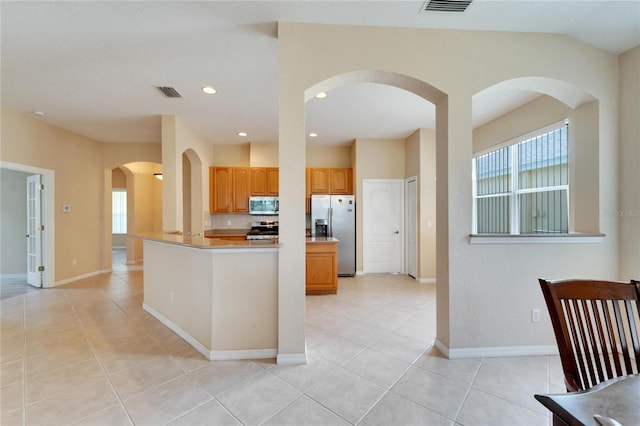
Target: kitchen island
{"x": 322, "y": 265}
{"x": 221, "y": 296}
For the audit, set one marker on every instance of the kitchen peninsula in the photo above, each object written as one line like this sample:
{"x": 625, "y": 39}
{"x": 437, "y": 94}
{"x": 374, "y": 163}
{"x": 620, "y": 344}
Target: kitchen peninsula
{"x": 203, "y": 289}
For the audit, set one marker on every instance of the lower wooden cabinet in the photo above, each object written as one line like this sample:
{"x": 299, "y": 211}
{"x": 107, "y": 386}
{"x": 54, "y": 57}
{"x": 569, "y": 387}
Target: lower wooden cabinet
{"x": 322, "y": 268}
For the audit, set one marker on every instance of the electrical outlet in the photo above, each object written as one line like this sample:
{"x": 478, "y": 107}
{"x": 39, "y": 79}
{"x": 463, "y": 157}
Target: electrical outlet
{"x": 535, "y": 315}
{"x": 74, "y": 262}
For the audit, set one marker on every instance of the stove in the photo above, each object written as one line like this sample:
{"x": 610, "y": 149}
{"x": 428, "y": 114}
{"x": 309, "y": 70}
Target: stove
{"x": 263, "y": 230}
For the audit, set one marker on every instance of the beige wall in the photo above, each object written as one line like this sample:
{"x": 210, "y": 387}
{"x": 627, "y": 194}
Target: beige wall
{"x": 328, "y": 156}
{"x": 82, "y": 169}
{"x": 628, "y": 213}
{"x": 231, "y": 155}
{"x": 472, "y": 279}
{"x": 263, "y": 154}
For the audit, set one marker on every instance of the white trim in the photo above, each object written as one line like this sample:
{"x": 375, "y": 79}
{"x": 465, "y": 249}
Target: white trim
{"x": 361, "y": 273}
{"x": 537, "y": 239}
{"x": 81, "y": 277}
{"x": 48, "y": 217}
{"x": 496, "y": 351}
{"x": 426, "y": 280}
{"x": 292, "y": 359}
{"x": 209, "y": 354}
{"x": 243, "y": 354}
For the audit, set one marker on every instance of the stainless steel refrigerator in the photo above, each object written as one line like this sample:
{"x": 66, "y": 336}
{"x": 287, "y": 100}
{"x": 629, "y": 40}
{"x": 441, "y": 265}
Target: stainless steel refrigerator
{"x": 335, "y": 216}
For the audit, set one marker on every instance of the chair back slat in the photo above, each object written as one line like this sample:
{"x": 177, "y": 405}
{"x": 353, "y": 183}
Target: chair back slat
{"x": 596, "y": 328}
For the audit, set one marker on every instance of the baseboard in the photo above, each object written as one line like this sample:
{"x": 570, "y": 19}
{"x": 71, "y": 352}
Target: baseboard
{"x": 209, "y": 354}
{"x": 496, "y": 351}
{"x": 426, "y": 280}
{"x": 360, "y": 273}
{"x": 133, "y": 262}
{"x": 80, "y": 277}
{"x": 13, "y": 277}
{"x": 292, "y": 359}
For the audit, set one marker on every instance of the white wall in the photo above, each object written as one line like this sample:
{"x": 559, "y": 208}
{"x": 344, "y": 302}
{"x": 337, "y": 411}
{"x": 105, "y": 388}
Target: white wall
{"x": 13, "y": 222}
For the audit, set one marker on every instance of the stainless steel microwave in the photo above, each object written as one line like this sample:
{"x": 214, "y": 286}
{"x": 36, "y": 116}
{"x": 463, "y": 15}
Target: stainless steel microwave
{"x": 265, "y": 206}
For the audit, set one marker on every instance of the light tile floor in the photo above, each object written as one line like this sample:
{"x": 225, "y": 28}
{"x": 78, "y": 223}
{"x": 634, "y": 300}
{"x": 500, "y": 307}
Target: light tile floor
{"x": 87, "y": 354}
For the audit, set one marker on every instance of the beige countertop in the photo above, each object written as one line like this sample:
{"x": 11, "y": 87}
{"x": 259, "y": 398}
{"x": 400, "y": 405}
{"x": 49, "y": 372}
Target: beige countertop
{"x": 321, "y": 240}
{"x": 206, "y": 242}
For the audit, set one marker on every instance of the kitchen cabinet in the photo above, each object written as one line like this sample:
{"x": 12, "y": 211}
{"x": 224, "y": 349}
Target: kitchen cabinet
{"x": 322, "y": 267}
{"x": 229, "y": 189}
{"x": 341, "y": 181}
{"x": 307, "y": 185}
{"x": 320, "y": 180}
{"x": 331, "y": 181}
{"x": 264, "y": 181}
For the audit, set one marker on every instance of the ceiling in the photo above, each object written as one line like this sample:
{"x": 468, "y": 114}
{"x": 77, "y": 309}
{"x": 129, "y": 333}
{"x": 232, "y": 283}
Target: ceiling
{"x": 93, "y": 66}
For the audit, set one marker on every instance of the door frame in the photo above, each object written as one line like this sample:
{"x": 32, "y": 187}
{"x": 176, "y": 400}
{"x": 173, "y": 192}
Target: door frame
{"x": 48, "y": 217}
{"x": 411, "y": 216}
{"x": 402, "y": 222}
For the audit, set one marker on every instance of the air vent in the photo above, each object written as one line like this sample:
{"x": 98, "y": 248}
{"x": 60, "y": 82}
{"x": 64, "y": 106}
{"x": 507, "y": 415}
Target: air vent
{"x": 447, "y": 5}
{"x": 169, "y": 92}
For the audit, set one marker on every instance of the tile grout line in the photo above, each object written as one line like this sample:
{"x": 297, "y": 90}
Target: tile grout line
{"x": 99, "y": 360}
{"x": 24, "y": 360}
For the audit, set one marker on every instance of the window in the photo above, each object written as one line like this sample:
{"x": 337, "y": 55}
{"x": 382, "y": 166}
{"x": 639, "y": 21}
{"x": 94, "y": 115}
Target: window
{"x": 523, "y": 188}
{"x": 119, "y": 211}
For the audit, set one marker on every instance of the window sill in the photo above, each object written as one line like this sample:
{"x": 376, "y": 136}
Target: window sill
{"x": 571, "y": 238}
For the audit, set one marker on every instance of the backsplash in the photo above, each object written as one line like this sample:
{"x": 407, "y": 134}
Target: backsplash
{"x": 236, "y": 221}
{"x": 240, "y": 221}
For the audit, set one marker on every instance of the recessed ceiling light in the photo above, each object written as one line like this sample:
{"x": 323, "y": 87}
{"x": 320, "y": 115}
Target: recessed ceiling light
{"x": 243, "y": 134}
{"x": 313, "y": 135}
{"x": 321, "y": 95}
{"x": 209, "y": 90}
{"x": 38, "y": 113}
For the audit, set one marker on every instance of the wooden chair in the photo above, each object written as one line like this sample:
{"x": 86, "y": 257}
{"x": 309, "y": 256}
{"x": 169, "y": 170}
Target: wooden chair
{"x": 596, "y": 327}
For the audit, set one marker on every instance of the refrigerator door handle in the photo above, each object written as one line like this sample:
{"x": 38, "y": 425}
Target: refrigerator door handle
{"x": 330, "y": 231}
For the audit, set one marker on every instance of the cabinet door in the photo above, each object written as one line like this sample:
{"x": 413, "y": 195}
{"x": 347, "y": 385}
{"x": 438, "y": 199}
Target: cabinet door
{"x": 220, "y": 190}
{"x": 320, "y": 181}
{"x": 341, "y": 181}
{"x": 307, "y": 179}
{"x": 273, "y": 181}
{"x": 321, "y": 273}
{"x": 259, "y": 177}
{"x": 241, "y": 187}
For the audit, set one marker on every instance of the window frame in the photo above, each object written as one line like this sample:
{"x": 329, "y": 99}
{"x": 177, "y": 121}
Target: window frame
{"x": 515, "y": 192}
{"x": 113, "y": 192}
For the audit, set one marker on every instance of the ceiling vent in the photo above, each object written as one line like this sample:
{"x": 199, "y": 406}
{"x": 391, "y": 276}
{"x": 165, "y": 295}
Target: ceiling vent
{"x": 169, "y": 92}
{"x": 447, "y": 5}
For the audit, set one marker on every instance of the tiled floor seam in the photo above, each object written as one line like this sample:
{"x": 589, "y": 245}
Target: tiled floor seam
{"x": 99, "y": 361}
{"x": 466, "y": 395}
{"x": 24, "y": 360}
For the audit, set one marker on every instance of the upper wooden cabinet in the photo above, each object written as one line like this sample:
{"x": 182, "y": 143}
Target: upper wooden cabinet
{"x": 320, "y": 181}
{"x": 331, "y": 181}
{"x": 341, "y": 181}
{"x": 229, "y": 189}
{"x": 264, "y": 180}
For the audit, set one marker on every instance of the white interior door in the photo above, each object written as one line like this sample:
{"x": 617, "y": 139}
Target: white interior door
{"x": 382, "y": 220}
{"x": 34, "y": 231}
{"x": 412, "y": 227}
